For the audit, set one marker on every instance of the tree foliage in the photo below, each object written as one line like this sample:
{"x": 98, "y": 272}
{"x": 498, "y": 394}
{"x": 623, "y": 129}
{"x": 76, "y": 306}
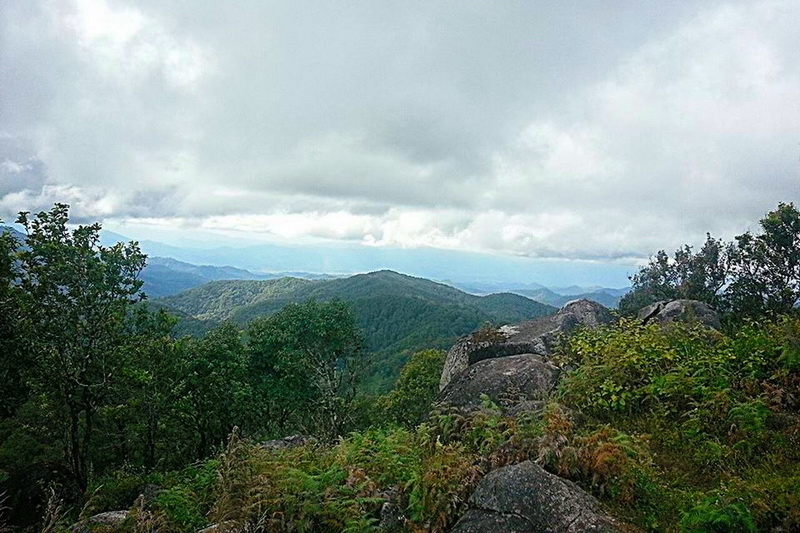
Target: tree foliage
{"x": 308, "y": 358}
{"x": 416, "y": 388}
{"x": 93, "y": 381}
{"x": 74, "y": 297}
{"x": 756, "y": 274}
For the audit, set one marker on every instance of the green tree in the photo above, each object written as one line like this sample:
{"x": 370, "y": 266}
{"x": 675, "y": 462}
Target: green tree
{"x": 13, "y": 360}
{"x": 147, "y": 395}
{"x": 766, "y": 276}
{"x": 416, "y": 388}
{"x": 214, "y": 393}
{"x": 700, "y": 275}
{"x": 75, "y": 294}
{"x": 306, "y": 360}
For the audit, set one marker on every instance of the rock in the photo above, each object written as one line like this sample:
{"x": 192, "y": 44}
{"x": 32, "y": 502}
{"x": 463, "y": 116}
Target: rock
{"x": 109, "y": 519}
{"x": 293, "y": 441}
{"x": 524, "y": 498}
{"x": 392, "y": 519}
{"x": 149, "y": 493}
{"x": 680, "y": 311}
{"x": 507, "y": 381}
{"x": 534, "y": 336}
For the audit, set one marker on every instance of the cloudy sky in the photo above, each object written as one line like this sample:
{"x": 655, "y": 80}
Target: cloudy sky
{"x": 576, "y": 130}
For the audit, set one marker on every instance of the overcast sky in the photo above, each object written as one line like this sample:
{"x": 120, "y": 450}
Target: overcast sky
{"x": 576, "y": 130}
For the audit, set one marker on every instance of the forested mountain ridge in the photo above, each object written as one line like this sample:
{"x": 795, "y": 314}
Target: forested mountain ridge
{"x": 398, "y": 313}
{"x": 242, "y": 300}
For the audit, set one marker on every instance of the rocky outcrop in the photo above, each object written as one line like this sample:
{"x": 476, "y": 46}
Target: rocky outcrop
{"x": 532, "y": 337}
{"x": 507, "y": 381}
{"x": 680, "y": 311}
{"x": 524, "y": 498}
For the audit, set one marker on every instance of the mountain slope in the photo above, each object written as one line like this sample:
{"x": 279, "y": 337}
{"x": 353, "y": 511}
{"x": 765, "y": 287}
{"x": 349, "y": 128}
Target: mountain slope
{"x": 164, "y": 276}
{"x": 399, "y": 314}
{"x": 607, "y": 297}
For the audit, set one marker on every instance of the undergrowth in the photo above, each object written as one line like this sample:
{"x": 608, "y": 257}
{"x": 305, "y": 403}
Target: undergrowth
{"x": 679, "y": 429}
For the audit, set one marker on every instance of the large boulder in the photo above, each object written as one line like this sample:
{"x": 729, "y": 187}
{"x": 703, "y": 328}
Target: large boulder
{"x": 536, "y": 336}
{"x": 524, "y": 498}
{"x": 680, "y": 311}
{"x": 507, "y": 381}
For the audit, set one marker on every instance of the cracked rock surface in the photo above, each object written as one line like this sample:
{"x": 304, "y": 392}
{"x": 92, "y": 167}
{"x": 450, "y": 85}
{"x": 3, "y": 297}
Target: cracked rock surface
{"x": 666, "y": 312}
{"x": 524, "y": 498}
{"x": 507, "y": 381}
{"x": 533, "y": 336}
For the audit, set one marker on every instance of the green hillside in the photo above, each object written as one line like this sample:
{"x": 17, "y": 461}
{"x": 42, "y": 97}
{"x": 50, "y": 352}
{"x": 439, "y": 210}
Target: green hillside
{"x": 398, "y": 314}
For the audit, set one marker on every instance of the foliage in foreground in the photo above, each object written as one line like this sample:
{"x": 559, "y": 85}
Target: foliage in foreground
{"x": 720, "y": 415}
{"x": 681, "y": 429}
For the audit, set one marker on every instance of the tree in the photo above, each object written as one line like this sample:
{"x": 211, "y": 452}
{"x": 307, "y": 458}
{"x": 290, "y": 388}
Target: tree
{"x": 214, "y": 392}
{"x": 13, "y": 361}
{"x": 416, "y": 388}
{"x": 75, "y": 294}
{"x": 766, "y": 273}
{"x": 757, "y": 274}
{"x": 144, "y": 401}
{"x": 695, "y": 276}
{"x": 306, "y": 360}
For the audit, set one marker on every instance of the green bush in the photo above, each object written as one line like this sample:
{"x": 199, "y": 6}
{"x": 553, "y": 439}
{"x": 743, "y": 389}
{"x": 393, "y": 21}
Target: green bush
{"x": 715, "y": 515}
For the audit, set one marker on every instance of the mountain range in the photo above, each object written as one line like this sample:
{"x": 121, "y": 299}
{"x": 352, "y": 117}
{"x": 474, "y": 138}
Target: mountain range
{"x": 399, "y": 314}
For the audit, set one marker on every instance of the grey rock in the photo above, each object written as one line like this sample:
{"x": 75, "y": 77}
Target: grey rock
{"x": 477, "y": 521}
{"x": 392, "y": 519}
{"x": 680, "y": 311}
{"x": 149, "y": 493}
{"x": 109, "y": 519}
{"x": 507, "y": 381}
{"x": 524, "y": 498}
{"x": 536, "y": 336}
{"x": 292, "y": 441}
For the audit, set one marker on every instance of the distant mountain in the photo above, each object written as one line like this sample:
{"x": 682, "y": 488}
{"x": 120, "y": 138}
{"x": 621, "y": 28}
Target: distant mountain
{"x": 491, "y": 287}
{"x": 164, "y": 276}
{"x": 398, "y": 313}
{"x": 555, "y": 296}
{"x": 488, "y": 273}
{"x": 17, "y": 234}
{"x": 607, "y": 297}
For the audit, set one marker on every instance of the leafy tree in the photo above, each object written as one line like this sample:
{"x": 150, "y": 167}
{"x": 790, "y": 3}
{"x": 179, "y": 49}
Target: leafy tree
{"x": 75, "y": 294}
{"x": 766, "y": 277}
{"x": 214, "y": 393}
{"x": 416, "y": 388}
{"x": 12, "y": 360}
{"x": 147, "y": 396}
{"x": 306, "y": 360}
{"x": 692, "y": 275}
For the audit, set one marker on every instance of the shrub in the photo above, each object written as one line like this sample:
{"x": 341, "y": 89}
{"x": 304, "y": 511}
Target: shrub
{"x": 716, "y": 515}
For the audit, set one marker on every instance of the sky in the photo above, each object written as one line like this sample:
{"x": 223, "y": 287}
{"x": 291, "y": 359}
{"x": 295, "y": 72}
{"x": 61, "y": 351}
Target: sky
{"x": 571, "y": 131}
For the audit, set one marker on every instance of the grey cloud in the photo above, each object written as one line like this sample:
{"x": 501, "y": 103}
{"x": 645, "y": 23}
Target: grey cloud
{"x": 454, "y": 124}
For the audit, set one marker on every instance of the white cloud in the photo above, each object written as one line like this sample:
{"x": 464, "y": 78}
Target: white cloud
{"x": 510, "y": 128}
